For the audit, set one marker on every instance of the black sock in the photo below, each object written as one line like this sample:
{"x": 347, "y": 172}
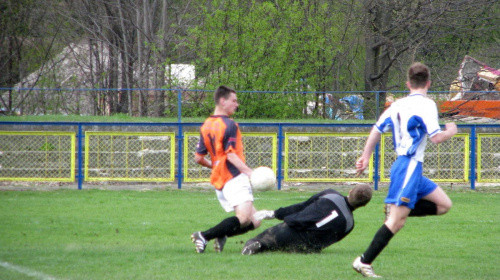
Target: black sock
{"x": 424, "y": 208}
{"x": 380, "y": 240}
{"x": 241, "y": 230}
{"x": 224, "y": 228}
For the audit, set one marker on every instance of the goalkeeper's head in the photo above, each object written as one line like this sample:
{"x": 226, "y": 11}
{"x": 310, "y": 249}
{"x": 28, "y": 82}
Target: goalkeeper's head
{"x": 360, "y": 195}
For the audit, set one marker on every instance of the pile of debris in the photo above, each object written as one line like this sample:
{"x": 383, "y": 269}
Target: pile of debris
{"x": 475, "y": 92}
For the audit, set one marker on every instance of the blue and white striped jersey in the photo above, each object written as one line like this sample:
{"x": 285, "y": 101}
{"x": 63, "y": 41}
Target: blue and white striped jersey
{"x": 411, "y": 119}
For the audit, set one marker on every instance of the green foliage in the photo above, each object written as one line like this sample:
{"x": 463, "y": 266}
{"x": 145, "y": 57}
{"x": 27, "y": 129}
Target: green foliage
{"x": 269, "y": 46}
{"x": 263, "y": 46}
{"x": 274, "y": 105}
{"x": 170, "y": 119}
{"x": 47, "y": 146}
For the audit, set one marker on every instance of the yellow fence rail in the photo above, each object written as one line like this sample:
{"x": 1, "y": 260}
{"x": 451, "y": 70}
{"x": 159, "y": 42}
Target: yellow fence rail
{"x": 445, "y": 162}
{"x": 324, "y": 157}
{"x": 129, "y": 156}
{"x": 260, "y": 150}
{"x": 37, "y": 156}
{"x": 306, "y": 157}
{"x": 488, "y": 157}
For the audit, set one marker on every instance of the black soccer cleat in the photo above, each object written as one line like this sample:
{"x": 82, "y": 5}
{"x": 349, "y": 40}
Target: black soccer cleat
{"x": 219, "y": 243}
{"x": 251, "y": 247}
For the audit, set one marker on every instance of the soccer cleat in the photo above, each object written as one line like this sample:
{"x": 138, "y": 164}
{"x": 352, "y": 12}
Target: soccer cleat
{"x": 251, "y": 247}
{"x": 364, "y": 269}
{"x": 199, "y": 241}
{"x": 219, "y": 243}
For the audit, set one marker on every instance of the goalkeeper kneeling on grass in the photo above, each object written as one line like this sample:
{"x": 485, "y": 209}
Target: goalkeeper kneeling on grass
{"x": 312, "y": 225}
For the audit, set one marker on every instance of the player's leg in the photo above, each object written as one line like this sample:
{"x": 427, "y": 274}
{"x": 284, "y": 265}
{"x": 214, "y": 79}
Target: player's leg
{"x": 441, "y": 199}
{"x": 432, "y": 200}
{"x": 236, "y": 225}
{"x": 402, "y": 195}
{"x": 277, "y": 238}
{"x": 235, "y": 196}
{"x": 245, "y": 212}
{"x": 260, "y": 243}
{"x": 406, "y": 175}
{"x": 201, "y": 238}
{"x": 397, "y": 217}
{"x": 226, "y": 228}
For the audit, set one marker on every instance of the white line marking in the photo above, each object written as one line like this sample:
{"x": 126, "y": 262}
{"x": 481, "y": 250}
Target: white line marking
{"x": 26, "y": 271}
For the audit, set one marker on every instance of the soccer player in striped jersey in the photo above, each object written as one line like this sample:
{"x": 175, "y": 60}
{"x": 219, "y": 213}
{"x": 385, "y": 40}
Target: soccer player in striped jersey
{"x": 220, "y": 137}
{"x": 411, "y": 119}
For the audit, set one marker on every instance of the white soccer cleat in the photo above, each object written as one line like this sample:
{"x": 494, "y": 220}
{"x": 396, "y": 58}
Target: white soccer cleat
{"x": 264, "y": 215}
{"x": 364, "y": 269}
{"x": 199, "y": 241}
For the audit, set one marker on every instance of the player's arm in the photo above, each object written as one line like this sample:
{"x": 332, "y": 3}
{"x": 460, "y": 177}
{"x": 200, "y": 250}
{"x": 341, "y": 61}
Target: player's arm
{"x": 282, "y": 212}
{"x": 238, "y": 163}
{"x": 201, "y": 160}
{"x": 201, "y": 152}
{"x": 370, "y": 145}
{"x": 450, "y": 130}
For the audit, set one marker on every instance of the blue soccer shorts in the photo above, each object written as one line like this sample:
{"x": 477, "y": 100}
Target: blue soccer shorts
{"x": 408, "y": 185}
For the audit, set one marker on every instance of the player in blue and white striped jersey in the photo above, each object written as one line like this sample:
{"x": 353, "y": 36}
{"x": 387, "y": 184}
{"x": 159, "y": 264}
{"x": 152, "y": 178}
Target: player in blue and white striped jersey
{"x": 411, "y": 119}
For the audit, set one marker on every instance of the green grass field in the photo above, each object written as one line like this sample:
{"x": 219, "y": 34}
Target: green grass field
{"x": 106, "y": 234}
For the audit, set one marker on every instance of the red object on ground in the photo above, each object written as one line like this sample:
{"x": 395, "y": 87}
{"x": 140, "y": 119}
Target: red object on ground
{"x": 474, "y": 108}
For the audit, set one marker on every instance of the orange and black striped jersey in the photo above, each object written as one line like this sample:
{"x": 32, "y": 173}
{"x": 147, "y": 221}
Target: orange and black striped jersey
{"x": 220, "y": 135}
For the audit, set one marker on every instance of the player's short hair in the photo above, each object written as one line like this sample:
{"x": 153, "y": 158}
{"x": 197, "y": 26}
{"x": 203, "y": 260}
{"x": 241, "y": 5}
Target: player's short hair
{"x": 222, "y": 92}
{"x": 360, "y": 195}
{"x": 418, "y": 75}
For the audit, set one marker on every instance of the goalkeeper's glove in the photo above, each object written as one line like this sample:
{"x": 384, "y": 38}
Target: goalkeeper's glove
{"x": 264, "y": 215}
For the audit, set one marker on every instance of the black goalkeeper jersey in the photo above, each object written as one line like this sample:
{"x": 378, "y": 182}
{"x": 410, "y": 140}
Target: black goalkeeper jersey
{"x": 322, "y": 220}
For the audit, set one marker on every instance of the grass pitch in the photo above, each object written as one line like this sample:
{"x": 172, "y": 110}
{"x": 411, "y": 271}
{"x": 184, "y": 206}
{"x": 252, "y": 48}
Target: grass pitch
{"x": 105, "y": 234}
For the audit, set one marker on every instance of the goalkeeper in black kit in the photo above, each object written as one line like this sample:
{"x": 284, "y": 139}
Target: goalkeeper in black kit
{"x": 312, "y": 225}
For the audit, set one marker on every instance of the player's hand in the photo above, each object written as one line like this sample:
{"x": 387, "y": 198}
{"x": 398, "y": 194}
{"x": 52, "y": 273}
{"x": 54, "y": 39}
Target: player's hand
{"x": 264, "y": 215}
{"x": 361, "y": 165}
{"x": 451, "y": 127}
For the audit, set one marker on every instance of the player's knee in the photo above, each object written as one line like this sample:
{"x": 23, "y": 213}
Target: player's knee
{"x": 246, "y": 220}
{"x": 256, "y": 223}
{"x": 399, "y": 225}
{"x": 395, "y": 225}
{"x": 444, "y": 207}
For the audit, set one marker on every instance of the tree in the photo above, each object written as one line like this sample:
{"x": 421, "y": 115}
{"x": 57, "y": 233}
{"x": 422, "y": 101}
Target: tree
{"x": 279, "y": 46}
{"x": 28, "y": 41}
{"x": 258, "y": 45}
{"x": 398, "y": 32}
{"x": 131, "y": 44}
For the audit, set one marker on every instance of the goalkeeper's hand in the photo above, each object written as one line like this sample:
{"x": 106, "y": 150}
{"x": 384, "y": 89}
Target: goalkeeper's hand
{"x": 264, "y": 215}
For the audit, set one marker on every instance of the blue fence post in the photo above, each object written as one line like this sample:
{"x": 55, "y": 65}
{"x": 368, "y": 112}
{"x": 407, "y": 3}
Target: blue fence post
{"x": 472, "y": 153}
{"x": 376, "y": 167}
{"x": 180, "y": 139}
{"x": 180, "y": 157}
{"x": 179, "y": 105}
{"x": 280, "y": 153}
{"x": 80, "y": 159}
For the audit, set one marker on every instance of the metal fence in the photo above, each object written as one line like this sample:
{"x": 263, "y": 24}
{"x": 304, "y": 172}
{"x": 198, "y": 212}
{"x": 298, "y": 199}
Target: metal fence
{"x": 163, "y": 152}
{"x": 335, "y": 105}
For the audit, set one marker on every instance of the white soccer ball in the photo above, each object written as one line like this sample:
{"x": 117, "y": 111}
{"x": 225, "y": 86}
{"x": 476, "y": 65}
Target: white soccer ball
{"x": 263, "y": 179}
